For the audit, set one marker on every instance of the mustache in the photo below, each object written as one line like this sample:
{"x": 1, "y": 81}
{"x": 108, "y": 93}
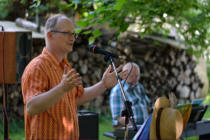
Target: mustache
{"x": 131, "y": 85}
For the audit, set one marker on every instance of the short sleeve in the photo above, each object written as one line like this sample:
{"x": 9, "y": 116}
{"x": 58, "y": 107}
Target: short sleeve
{"x": 80, "y": 91}
{"x": 34, "y": 81}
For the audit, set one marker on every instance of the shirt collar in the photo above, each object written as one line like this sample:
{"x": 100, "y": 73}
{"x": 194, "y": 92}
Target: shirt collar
{"x": 127, "y": 86}
{"x": 54, "y": 59}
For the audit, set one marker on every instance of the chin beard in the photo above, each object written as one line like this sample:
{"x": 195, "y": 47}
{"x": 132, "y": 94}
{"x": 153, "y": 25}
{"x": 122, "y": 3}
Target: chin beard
{"x": 131, "y": 84}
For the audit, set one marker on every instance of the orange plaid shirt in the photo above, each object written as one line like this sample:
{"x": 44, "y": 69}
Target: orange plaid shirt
{"x": 60, "y": 122}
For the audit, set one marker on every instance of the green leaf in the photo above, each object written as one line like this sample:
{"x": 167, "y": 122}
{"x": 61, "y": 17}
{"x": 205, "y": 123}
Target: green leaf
{"x": 78, "y": 30}
{"x": 96, "y": 33}
{"x": 87, "y": 32}
{"x": 91, "y": 40}
{"x": 190, "y": 15}
{"x": 82, "y": 23}
{"x": 119, "y": 4}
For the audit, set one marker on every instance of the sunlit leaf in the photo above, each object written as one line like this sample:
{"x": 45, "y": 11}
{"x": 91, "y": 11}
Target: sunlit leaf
{"x": 91, "y": 40}
{"x": 96, "y": 33}
{"x": 78, "y": 30}
{"x": 87, "y": 32}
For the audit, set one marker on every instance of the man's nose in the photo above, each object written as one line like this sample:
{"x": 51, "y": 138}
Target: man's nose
{"x": 72, "y": 38}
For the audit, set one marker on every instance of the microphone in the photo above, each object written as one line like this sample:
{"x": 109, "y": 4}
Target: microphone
{"x": 97, "y": 50}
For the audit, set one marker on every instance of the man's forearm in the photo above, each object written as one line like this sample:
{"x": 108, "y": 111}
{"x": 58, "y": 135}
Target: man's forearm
{"x": 91, "y": 92}
{"x": 122, "y": 120}
{"x": 40, "y": 103}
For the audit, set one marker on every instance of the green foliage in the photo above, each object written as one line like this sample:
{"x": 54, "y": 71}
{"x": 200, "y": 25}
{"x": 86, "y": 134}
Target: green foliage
{"x": 207, "y": 101}
{"x": 16, "y": 130}
{"x": 105, "y": 117}
{"x": 105, "y": 125}
{"x": 36, "y": 7}
{"x": 192, "y": 138}
{"x": 190, "y": 18}
{"x": 207, "y": 114}
{"x": 5, "y": 7}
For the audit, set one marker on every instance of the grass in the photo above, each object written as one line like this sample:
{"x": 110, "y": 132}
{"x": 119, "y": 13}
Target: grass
{"x": 206, "y": 116}
{"x": 105, "y": 125}
{"x": 16, "y": 130}
{"x": 207, "y": 101}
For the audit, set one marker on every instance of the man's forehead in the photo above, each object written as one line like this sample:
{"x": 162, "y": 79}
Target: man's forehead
{"x": 129, "y": 65}
{"x": 65, "y": 22}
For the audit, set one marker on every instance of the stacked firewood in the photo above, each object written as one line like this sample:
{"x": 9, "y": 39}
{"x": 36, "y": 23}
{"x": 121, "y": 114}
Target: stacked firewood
{"x": 164, "y": 69}
{"x": 15, "y": 107}
{"x": 91, "y": 68}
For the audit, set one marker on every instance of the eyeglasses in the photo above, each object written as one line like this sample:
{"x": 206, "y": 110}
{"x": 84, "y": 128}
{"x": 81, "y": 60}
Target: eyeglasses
{"x": 67, "y": 33}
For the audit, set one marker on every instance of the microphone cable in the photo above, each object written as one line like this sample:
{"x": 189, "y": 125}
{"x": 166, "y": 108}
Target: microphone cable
{"x": 128, "y": 74}
{"x": 126, "y": 125}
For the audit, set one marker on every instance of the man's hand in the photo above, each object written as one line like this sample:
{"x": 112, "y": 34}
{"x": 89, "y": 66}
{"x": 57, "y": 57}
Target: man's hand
{"x": 40, "y": 103}
{"x": 70, "y": 79}
{"x": 109, "y": 78}
{"x": 121, "y": 120}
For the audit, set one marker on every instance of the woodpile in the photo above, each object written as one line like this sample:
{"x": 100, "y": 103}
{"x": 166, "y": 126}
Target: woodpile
{"x": 15, "y": 107}
{"x": 91, "y": 68}
{"x": 164, "y": 69}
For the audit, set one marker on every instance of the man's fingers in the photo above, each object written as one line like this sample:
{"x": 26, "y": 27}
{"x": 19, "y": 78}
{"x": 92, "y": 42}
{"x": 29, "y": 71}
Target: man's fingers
{"x": 70, "y": 79}
{"x": 108, "y": 70}
{"x": 77, "y": 82}
{"x": 65, "y": 69}
{"x": 72, "y": 72}
{"x": 74, "y": 77}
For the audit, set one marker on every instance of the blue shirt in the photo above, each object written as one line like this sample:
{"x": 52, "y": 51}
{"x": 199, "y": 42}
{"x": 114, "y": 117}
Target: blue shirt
{"x": 136, "y": 95}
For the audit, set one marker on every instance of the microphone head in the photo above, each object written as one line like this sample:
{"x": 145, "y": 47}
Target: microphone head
{"x": 97, "y": 50}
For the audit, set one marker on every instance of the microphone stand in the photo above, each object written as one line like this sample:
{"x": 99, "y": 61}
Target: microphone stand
{"x": 127, "y": 112}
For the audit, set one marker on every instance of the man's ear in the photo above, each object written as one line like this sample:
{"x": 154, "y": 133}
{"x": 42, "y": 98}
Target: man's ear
{"x": 49, "y": 34}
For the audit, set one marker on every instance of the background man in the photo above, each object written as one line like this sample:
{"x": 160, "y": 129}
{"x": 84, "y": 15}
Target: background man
{"x": 134, "y": 93}
{"x": 52, "y": 89}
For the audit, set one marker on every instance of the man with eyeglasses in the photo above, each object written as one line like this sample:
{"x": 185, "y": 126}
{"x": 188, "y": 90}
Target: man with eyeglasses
{"x": 134, "y": 92}
{"x": 52, "y": 89}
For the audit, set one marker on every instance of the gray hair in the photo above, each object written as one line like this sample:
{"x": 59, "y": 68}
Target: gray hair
{"x": 127, "y": 66}
{"x": 53, "y": 20}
